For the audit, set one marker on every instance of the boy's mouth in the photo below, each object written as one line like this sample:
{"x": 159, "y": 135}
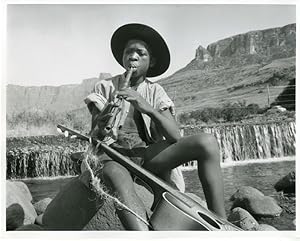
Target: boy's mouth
{"x": 133, "y": 67}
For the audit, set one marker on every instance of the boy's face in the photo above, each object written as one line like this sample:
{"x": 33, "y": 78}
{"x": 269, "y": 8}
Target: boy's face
{"x": 136, "y": 54}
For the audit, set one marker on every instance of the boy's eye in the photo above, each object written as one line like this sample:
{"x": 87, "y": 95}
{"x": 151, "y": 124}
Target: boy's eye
{"x": 140, "y": 52}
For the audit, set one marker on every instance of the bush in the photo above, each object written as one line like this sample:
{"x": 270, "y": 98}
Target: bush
{"x": 229, "y": 112}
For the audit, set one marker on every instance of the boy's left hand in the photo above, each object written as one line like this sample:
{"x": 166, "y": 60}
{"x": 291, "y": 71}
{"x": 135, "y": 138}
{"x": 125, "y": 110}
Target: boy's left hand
{"x": 136, "y": 100}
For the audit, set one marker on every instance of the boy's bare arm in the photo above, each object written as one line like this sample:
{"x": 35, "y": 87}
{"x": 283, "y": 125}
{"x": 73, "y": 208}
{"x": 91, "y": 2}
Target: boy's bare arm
{"x": 166, "y": 124}
{"x": 163, "y": 120}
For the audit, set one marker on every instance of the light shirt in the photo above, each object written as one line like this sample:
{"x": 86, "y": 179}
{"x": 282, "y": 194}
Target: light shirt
{"x": 104, "y": 92}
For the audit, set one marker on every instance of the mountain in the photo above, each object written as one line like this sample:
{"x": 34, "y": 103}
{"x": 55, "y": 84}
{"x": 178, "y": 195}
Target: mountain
{"x": 56, "y": 99}
{"x": 254, "y": 67}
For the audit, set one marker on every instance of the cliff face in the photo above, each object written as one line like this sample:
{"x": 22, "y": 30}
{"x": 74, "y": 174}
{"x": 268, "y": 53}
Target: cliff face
{"x": 271, "y": 43}
{"x": 237, "y": 68}
{"x": 53, "y": 98}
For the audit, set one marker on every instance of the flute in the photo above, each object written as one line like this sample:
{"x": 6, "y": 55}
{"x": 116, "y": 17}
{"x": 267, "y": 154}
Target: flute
{"x": 118, "y": 102}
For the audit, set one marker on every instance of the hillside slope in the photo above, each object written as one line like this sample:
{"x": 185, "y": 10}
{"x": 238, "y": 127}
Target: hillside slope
{"x": 255, "y": 67}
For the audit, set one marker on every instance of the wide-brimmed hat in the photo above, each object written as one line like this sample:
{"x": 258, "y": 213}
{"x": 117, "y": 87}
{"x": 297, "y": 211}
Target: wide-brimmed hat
{"x": 154, "y": 40}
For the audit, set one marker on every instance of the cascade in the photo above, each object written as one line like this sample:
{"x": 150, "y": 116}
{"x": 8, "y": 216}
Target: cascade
{"x": 251, "y": 141}
{"x": 46, "y": 156}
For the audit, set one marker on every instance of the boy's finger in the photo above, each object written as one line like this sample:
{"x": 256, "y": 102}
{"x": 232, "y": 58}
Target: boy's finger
{"x": 130, "y": 98}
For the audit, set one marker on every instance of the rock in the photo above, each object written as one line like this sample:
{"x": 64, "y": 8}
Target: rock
{"x": 39, "y": 220}
{"x": 30, "y": 227}
{"x": 24, "y": 189}
{"x": 20, "y": 210}
{"x": 243, "y": 219}
{"x": 276, "y": 109}
{"x": 106, "y": 217}
{"x": 265, "y": 227}
{"x": 41, "y": 205}
{"x": 287, "y": 183}
{"x": 14, "y": 216}
{"x": 202, "y": 54}
{"x": 246, "y": 192}
{"x": 72, "y": 208}
{"x": 255, "y": 202}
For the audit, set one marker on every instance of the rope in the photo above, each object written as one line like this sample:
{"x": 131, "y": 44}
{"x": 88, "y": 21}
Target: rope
{"x": 96, "y": 187}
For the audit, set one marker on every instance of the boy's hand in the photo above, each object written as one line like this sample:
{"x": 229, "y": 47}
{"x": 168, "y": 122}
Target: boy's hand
{"x": 136, "y": 100}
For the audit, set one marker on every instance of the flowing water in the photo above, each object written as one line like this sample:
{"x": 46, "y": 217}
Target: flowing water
{"x": 262, "y": 176}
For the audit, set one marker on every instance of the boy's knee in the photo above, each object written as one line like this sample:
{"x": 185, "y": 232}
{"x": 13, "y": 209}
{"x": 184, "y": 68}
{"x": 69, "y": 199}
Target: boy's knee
{"x": 112, "y": 169}
{"x": 206, "y": 143}
{"x": 115, "y": 174}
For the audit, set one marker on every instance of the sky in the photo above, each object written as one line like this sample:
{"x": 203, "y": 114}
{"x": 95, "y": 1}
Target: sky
{"x": 57, "y": 44}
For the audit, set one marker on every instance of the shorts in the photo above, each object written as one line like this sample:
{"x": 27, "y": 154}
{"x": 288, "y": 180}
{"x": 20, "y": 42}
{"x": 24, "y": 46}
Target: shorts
{"x": 129, "y": 145}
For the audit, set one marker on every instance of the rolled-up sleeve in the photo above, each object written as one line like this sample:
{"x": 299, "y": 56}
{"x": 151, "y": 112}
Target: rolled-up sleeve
{"x": 99, "y": 95}
{"x": 163, "y": 101}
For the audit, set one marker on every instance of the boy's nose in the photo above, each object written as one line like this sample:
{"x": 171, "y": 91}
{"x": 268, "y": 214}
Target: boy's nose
{"x": 133, "y": 56}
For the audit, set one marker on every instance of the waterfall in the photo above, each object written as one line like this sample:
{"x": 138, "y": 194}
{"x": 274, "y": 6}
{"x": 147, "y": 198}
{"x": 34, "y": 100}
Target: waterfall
{"x": 45, "y": 156}
{"x": 251, "y": 141}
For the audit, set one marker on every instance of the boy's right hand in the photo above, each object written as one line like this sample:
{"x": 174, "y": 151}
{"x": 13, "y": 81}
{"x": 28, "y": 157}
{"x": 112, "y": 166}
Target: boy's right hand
{"x": 99, "y": 130}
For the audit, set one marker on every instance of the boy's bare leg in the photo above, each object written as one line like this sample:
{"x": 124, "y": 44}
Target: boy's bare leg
{"x": 162, "y": 157}
{"x": 119, "y": 181}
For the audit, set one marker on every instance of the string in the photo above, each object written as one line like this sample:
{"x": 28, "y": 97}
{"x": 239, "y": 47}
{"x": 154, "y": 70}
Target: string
{"x": 98, "y": 189}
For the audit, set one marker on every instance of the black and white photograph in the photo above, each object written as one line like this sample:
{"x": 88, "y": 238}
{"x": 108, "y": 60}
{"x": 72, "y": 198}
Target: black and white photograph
{"x": 149, "y": 117}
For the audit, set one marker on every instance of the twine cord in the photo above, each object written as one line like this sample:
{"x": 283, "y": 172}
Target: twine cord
{"x": 98, "y": 189}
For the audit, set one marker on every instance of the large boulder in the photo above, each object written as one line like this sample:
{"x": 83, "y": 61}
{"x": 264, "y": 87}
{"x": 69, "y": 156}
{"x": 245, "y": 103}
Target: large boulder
{"x": 243, "y": 219}
{"x": 72, "y": 208}
{"x": 287, "y": 183}
{"x": 106, "y": 217}
{"x": 40, "y": 206}
{"x": 19, "y": 209}
{"x": 76, "y": 207}
{"x": 255, "y": 202}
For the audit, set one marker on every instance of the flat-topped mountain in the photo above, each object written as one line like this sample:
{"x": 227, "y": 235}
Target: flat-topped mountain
{"x": 241, "y": 67}
{"x": 254, "y": 67}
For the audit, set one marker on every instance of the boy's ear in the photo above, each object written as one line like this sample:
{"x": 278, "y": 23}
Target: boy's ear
{"x": 152, "y": 62}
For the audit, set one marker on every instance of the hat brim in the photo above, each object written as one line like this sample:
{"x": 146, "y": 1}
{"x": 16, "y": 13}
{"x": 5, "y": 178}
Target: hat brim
{"x": 153, "y": 39}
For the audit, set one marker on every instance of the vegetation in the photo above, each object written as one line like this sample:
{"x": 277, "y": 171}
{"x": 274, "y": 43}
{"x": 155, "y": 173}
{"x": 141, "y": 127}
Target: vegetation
{"x": 229, "y": 112}
{"x": 34, "y": 123}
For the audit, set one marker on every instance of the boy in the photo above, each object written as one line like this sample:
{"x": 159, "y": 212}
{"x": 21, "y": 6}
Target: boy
{"x": 145, "y": 129}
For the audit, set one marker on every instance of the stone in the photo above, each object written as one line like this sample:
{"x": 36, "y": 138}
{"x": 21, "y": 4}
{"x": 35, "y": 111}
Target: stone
{"x": 30, "y": 227}
{"x": 24, "y": 189}
{"x": 20, "y": 210}
{"x": 72, "y": 208}
{"x": 266, "y": 227}
{"x": 287, "y": 183}
{"x": 14, "y": 216}
{"x": 243, "y": 219}
{"x": 255, "y": 203}
{"x": 246, "y": 192}
{"x": 41, "y": 205}
{"x": 106, "y": 217}
{"x": 39, "y": 220}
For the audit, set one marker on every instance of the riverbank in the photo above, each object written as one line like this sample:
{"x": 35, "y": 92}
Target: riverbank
{"x": 262, "y": 176}
{"x": 244, "y": 162}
